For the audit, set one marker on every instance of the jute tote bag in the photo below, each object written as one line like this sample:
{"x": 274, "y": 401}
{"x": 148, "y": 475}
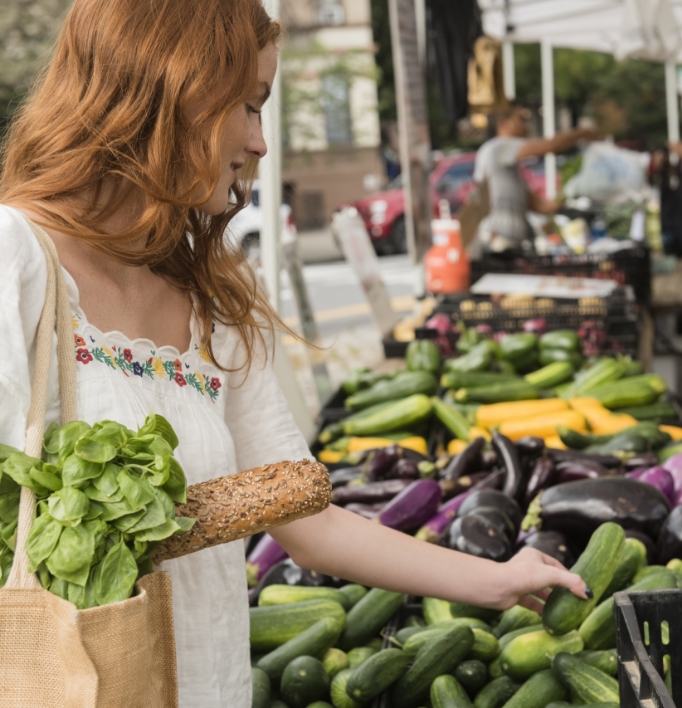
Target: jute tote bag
{"x": 52, "y": 655}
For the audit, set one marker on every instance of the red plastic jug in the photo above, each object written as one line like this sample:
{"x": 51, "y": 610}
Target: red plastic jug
{"x": 446, "y": 264}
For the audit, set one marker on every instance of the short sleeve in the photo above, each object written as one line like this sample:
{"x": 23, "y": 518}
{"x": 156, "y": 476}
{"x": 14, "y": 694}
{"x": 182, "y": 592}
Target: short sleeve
{"x": 256, "y": 410}
{"x": 496, "y": 153}
{"x": 23, "y": 281}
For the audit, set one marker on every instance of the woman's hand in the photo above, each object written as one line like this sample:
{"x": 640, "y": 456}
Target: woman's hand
{"x": 531, "y": 574}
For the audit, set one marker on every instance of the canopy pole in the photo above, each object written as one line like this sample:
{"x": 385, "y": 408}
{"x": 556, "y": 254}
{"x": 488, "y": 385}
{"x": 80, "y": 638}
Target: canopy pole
{"x": 270, "y": 173}
{"x": 548, "y": 121}
{"x": 508, "y": 69}
{"x": 672, "y": 101}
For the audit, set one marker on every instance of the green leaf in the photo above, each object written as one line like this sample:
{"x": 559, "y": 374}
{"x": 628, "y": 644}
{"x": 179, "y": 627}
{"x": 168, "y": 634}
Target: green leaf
{"x": 73, "y": 555}
{"x": 9, "y": 535}
{"x": 60, "y": 587}
{"x": 139, "y": 550}
{"x": 166, "y": 502}
{"x": 18, "y": 466}
{"x": 42, "y": 540}
{"x": 111, "y": 432}
{"x": 51, "y": 439}
{"x": 176, "y": 486}
{"x": 76, "y": 470}
{"x": 90, "y": 599}
{"x": 159, "y": 476}
{"x": 7, "y": 451}
{"x": 7, "y": 484}
{"x": 94, "y": 494}
{"x": 108, "y": 482}
{"x": 47, "y": 479}
{"x": 68, "y": 435}
{"x": 113, "y": 510}
{"x": 114, "y": 578}
{"x": 9, "y": 507}
{"x": 68, "y": 505}
{"x": 76, "y": 595}
{"x": 159, "y": 533}
{"x": 185, "y": 523}
{"x": 136, "y": 490}
{"x": 44, "y": 576}
{"x": 99, "y": 530}
{"x": 95, "y": 451}
{"x": 165, "y": 429}
{"x": 153, "y": 516}
{"x": 124, "y": 523}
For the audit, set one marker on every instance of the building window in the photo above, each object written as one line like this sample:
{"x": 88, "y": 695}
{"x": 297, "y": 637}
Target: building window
{"x": 330, "y": 12}
{"x": 336, "y": 104}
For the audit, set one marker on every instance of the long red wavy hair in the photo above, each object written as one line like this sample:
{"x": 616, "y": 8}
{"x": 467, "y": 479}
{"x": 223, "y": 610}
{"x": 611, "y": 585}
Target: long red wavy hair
{"x": 111, "y": 109}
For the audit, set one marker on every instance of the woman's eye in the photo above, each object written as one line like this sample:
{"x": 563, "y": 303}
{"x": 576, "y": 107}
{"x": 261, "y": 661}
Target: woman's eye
{"x": 251, "y": 109}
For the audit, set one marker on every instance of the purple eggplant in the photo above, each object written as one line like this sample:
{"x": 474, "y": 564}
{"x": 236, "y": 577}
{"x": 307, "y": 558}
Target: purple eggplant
{"x": 674, "y": 466}
{"x": 543, "y": 475}
{"x": 641, "y": 459}
{"x": 578, "y": 508}
{"x": 609, "y": 461}
{"x": 515, "y": 480}
{"x": 661, "y": 479}
{"x": 497, "y": 518}
{"x": 636, "y": 473}
{"x": 577, "y": 470}
{"x": 463, "y": 484}
{"x": 495, "y": 498}
{"x": 383, "y": 462}
{"x": 369, "y": 511}
{"x": 266, "y": 554}
{"x": 476, "y": 536}
{"x": 344, "y": 475}
{"x": 553, "y": 543}
{"x": 466, "y": 462}
{"x": 530, "y": 444}
{"x": 651, "y": 553}
{"x": 435, "y": 526}
{"x": 488, "y": 460}
{"x": 414, "y": 506}
{"x": 369, "y": 493}
{"x": 405, "y": 469}
{"x": 670, "y": 538}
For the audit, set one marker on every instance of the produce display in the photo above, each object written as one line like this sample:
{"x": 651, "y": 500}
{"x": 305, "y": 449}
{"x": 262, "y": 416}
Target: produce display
{"x": 106, "y": 498}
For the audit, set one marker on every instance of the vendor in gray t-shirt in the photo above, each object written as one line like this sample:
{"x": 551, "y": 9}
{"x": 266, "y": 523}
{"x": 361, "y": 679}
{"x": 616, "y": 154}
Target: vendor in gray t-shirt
{"x": 497, "y": 162}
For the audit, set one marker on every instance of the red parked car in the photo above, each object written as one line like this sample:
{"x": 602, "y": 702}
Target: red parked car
{"x": 451, "y": 179}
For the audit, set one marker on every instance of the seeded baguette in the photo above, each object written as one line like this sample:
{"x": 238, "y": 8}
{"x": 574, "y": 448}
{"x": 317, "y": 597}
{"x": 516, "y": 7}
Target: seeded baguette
{"x": 239, "y": 505}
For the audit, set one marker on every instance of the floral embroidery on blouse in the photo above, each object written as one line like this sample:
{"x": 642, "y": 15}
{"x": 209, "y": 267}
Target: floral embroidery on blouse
{"x": 153, "y": 366}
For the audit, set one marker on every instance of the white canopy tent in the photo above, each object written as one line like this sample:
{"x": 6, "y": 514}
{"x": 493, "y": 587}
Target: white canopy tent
{"x": 649, "y": 29}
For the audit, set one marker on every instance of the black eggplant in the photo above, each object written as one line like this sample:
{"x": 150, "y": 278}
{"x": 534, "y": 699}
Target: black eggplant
{"x": 543, "y": 475}
{"x": 575, "y": 470}
{"x": 670, "y": 537}
{"x": 643, "y": 459}
{"x": 651, "y": 552}
{"x": 530, "y": 445}
{"x": 554, "y": 544}
{"x": 344, "y": 475}
{"x": 515, "y": 481}
{"x": 488, "y": 460}
{"x": 609, "y": 461}
{"x": 383, "y": 462}
{"x": 369, "y": 493}
{"x": 369, "y": 511}
{"x": 286, "y": 572}
{"x": 494, "y": 498}
{"x": 498, "y": 518}
{"x": 468, "y": 461}
{"x": 578, "y": 508}
{"x": 476, "y": 536}
{"x": 404, "y": 469}
{"x": 452, "y": 489}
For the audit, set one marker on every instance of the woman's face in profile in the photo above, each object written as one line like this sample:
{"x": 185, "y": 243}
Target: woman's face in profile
{"x": 243, "y": 134}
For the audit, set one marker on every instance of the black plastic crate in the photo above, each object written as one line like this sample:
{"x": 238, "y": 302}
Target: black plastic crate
{"x": 642, "y": 644}
{"x": 630, "y": 266}
{"x": 333, "y": 408}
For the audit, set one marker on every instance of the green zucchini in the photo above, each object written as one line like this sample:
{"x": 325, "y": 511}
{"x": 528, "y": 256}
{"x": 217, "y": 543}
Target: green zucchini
{"x": 447, "y": 692}
{"x": 585, "y": 682}
{"x": 532, "y": 652}
{"x": 632, "y": 559}
{"x": 437, "y": 657}
{"x": 451, "y": 418}
{"x": 605, "y": 660}
{"x": 509, "y": 636}
{"x": 335, "y": 660}
{"x": 485, "y": 646}
{"x": 566, "y": 339}
{"x": 660, "y": 410}
{"x": 402, "y": 414}
{"x": 354, "y": 593}
{"x": 496, "y": 693}
{"x": 273, "y": 626}
{"x": 288, "y": 594}
{"x": 623, "y": 442}
{"x": 515, "y": 618}
{"x": 402, "y": 635}
{"x": 499, "y": 393}
{"x": 337, "y": 690}
{"x": 597, "y": 564}
{"x": 658, "y": 383}
{"x": 415, "y": 621}
{"x": 416, "y": 641}
{"x": 359, "y": 655}
{"x": 549, "y": 356}
{"x": 460, "y": 609}
{"x": 405, "y": 384}
{"x": 376, "y": 674}
{"x": 376, "y": 643}
{"x": 435, "y": 610}
{"x": 495, "y": 669}
{"x": 466, "y": 379}
{"x": 603, "y": 372}
{"x": 647, "y": 571}
{"x": 626, "y": 393}
{"x": 314, "y": 641}
{"x": 317, "y": 704}
{"x": 473, "y": 675}
{"x": 304, "y": 681}
{"x": 260, "y": 688}
{"x": 368, "y": 617}
{"x": 676, "y": 566}
{"x": 516, "y": 347}
{"x": 550, "y": 375}
{"x": 540, "y": 689}
{"x": 599, "y": 628}
{"x": 478, "y": 358}
{"x": 423, "y": 355}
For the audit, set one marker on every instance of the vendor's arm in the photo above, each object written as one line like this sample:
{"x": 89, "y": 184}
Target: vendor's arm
{"x": 340, "y": 543}
{"x": 561, "y": 142}
{"x": 540, "y": 205}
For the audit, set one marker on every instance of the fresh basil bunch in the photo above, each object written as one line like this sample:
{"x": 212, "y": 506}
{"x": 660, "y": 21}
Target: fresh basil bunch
{"x": 106, "y": 497}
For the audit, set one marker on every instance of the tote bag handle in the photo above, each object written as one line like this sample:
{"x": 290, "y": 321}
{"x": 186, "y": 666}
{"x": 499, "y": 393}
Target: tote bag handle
{"x": 56, "y": 305}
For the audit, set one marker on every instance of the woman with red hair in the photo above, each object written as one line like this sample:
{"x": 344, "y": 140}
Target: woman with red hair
{"x": 133, "y": 152}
